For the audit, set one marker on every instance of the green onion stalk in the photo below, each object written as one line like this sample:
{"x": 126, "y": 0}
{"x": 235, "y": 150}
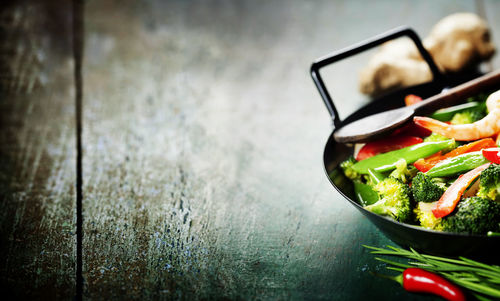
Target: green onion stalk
{"x": 483, "y": 280}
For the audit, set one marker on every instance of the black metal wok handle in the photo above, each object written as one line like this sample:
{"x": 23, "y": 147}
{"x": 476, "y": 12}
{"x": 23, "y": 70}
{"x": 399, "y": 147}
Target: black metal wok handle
{"x": 360, "y": 47}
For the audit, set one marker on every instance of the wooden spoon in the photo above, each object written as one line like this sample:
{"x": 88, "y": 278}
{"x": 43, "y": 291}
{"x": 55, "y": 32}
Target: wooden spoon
{"x": 375, "y": 126}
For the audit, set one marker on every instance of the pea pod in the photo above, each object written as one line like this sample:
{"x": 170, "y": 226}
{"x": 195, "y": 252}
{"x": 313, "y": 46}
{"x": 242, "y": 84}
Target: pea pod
{"x": 446, "y": 114}
{"x": 365, "y": 194}
{"x": 375, "y": 177}
{"x": 387, "y": 161}
{"x": 456, "y": 165}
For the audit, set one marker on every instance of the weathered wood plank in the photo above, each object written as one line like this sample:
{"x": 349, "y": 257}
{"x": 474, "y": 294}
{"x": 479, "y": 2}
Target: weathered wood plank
{"x": 37, "y": 151}
{"x": 203, "y": 139}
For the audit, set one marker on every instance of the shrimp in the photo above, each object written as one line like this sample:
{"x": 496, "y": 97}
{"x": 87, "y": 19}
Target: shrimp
{"x": 486, "y": 127}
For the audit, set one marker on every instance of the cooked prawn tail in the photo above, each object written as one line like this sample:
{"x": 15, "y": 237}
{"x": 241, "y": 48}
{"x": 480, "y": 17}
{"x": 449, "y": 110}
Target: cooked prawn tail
{"x": 486, "y": 127}
{"x": 433, "y": 125}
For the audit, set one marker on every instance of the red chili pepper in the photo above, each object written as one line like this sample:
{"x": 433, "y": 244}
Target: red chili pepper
{"x": 452, "y": 195}
{"x": 417, "y": 280}
{"x": 492, "y": 154}
{"x": 385, "y": 145}
{"x": 411, "y": 99}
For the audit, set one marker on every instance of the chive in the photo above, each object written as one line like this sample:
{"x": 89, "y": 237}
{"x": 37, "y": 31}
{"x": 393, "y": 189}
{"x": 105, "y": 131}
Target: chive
{"x": 396, "y": 269}
{"x": 481, "y": 279}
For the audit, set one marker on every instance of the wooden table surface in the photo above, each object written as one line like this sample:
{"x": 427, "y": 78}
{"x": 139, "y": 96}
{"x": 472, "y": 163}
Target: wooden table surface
{"x": 201, "y": 148}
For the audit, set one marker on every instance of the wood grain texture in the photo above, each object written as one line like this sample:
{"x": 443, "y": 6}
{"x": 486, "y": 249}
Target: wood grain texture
{"x": 37, "y": 174}
{"x": 203, "y": 139}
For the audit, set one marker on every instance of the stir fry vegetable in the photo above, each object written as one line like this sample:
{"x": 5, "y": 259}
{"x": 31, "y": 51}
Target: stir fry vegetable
{"x": 457, "y": 165}
{"x": 492, "y": 154}
{"x": 424, "y": 164}
{"x": 385, "y": 145}
{"x": 395, "y": 200}
{"x": 431, "y": 179}
{"x": 489, "y": 186}
{"x": 453, "y": 194}
{"x": 412, "y": 99}
{"x": 387, "y": 161}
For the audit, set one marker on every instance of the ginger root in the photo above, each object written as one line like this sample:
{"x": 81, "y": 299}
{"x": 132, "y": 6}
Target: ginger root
{"x": 456, "y": 43}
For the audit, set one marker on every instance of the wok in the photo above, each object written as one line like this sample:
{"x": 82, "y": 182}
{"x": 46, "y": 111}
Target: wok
{"x": 405, "y": 235}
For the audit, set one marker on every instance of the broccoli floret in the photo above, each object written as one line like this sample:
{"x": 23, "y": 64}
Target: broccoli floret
{"x": 425, "y": 217}
{"x": 435, "y": 137}
{"x": 443, "y": 182}
{"x": 403, "y": 172}
{"x": 425, "y": 189}
{"x": 472, "y": 114}
{"x": 394, "y": 200}
{"x": 348, "y": 171}
{"x": 468, "y": 116}
{"x": 481, "y": 98}
{"x": 474, "y": 215}
{"x": 489, "y": 183}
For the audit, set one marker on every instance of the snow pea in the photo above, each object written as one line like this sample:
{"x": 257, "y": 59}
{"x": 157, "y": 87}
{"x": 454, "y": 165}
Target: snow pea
{"x": 375, "y": 177}
{"x": 446, "y": 114}
{"x": 458, "y": 164}
{"x": 387, "y": 161}
{"x": 365, "y": 194}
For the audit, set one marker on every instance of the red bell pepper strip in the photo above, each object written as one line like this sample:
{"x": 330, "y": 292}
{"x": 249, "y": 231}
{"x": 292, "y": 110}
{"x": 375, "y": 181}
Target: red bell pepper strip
{"x": 412, "y": 99}
{"x": 452, "y": 195}
{"x": 385, "y": 145}
{"x": 492, "y": 154}
{"x": 426, "y": 164}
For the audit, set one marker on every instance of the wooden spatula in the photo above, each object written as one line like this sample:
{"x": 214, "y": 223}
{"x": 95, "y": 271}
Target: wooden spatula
{"x": 378, "y": 125}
